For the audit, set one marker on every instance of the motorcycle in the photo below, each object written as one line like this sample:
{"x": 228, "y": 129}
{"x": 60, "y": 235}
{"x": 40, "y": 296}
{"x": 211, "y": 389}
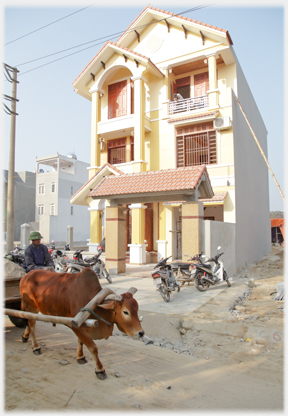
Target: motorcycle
{"x": 210, "y": 274}
{"x": 164, "y": 279}
{"x": 187, "y": 270}
{"x": 77, "y": 263}
{"x": 16, "y": 256}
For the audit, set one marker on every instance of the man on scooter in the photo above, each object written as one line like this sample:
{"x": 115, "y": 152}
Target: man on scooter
{"x": 37, "y": 255}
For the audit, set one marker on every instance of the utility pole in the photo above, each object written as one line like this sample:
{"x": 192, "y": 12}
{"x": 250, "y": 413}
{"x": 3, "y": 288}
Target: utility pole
{"x": 11, "y": 169}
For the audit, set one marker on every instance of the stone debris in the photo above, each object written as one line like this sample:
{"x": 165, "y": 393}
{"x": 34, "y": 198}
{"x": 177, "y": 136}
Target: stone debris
{"x": 64, "y": 362}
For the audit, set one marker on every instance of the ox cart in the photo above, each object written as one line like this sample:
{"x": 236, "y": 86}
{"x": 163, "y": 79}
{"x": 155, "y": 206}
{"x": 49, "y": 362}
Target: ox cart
{"x": 19, "y": 318}
{"x": 12, "y": 300}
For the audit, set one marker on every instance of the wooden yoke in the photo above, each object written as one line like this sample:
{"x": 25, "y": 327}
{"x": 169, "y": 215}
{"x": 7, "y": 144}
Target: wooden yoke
{"x": 81, "y": 316}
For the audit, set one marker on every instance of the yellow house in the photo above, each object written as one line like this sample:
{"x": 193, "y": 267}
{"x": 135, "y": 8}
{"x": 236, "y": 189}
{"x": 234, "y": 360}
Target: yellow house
{"x": 163, "y": 108}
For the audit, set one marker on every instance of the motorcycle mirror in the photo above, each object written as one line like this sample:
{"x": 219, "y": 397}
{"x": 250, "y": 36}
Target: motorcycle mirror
{"x": 219, "y": 247}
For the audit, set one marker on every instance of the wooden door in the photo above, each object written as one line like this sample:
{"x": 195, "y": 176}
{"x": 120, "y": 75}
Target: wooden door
{"x": 201, "y": 84}
{"x": 148, "y": 233}
{"x": 117, "y": 99}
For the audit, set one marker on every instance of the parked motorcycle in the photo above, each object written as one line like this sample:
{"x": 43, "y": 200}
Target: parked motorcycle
{"x": 210, "y": 274}
{"x": 164, "y": 279}
{"x": 77, "y": 263}
{"x": 16, "y": 256}
{"x": 186, "y": 271}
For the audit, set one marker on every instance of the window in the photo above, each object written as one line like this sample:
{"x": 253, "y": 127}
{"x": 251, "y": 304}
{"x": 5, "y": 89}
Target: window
{"x": 40, "y": 209}
{"x": 71, "y": 210}
{"x": 52, "y": 209}
{"x": 132, "y": 148}
{"x": 41, "y": 189}
{"x": 53, "y": 187}
{"x": 72, "y": 190}
{"x": 196, "y": 145}
{"x": 117, "y": 151}
{"x": 117, "y": 99}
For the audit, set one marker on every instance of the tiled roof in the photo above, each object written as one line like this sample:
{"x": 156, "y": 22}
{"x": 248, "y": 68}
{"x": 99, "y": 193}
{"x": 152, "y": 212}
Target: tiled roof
{"x": 179, "y": 16}
{"x": 96, "y": 174}
{"x": 125, "y": 50}
{"x": 150, "y": 181}
{"x": 202, "y": 115}
{"x": 218, "y": 197}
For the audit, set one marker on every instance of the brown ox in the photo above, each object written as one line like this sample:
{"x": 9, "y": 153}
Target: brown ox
{"x": 64, "y": 294}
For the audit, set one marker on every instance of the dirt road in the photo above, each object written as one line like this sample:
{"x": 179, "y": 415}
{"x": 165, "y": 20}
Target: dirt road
{"x": 216, "y": 358}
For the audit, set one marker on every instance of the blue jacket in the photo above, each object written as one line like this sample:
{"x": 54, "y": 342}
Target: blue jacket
{"x": 37, "y": 257}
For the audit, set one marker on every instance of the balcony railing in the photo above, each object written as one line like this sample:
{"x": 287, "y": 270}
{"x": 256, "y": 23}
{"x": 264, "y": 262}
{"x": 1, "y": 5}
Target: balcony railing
{"x": 188, "y": 104}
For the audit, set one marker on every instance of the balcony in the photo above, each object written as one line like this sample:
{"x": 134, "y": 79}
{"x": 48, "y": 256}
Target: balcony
{"x": 188, "y": 104}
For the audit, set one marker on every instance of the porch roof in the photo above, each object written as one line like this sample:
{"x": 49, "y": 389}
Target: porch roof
{"x": 185, "y": 184}
{"x": 217, "y": 199}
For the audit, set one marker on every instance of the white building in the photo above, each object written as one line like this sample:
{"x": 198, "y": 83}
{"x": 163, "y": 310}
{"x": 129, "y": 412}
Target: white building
{"x": 58, "y": 177}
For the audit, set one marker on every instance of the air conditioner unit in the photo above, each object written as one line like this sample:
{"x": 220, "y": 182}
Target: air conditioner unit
{"x": 222, "y": 123}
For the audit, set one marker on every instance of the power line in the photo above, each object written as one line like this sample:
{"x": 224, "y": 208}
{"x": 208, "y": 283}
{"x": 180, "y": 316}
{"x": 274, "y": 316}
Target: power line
{"x": 105, "y": 37}
{"x": 49, "y": 24}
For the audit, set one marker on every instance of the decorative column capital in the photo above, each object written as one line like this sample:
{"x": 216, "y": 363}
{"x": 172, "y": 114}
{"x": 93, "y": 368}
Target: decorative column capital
{"x": 137, "y": 206}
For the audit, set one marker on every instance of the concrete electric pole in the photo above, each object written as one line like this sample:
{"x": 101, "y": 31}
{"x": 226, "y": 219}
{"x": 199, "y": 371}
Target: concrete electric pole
{"x": 11, "y": 170}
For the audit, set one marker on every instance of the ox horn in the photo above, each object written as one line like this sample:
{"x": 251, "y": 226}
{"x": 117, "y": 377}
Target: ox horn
{"x": 132, "y": 290}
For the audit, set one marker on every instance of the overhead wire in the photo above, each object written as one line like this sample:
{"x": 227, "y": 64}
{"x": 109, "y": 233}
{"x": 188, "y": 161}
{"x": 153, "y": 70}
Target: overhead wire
{"x": 112, "y": 36}
{"x": 49, "y": 24}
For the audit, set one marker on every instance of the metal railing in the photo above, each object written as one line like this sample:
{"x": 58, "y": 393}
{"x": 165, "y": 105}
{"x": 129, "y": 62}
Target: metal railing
{"x": 188, "y": 104}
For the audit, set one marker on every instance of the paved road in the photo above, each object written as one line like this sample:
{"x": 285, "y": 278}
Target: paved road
{"x": 182, "y": 303}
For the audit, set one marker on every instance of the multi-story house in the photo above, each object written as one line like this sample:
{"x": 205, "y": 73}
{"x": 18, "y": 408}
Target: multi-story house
{"x": 164, "y": 102}
{"x": 57, "y": 179}
{"x": 24, "y": 200}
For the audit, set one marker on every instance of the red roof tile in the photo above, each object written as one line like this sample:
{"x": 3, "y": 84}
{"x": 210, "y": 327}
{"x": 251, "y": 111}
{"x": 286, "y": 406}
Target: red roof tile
{"x": 191, "y": 117}
{"x": 96, "y": 174}
{"x": 150, "y": 181}
{"x": 218, "y": 197}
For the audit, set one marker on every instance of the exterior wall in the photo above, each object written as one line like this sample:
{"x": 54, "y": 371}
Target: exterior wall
{"x": 214, "y": 234}
{"x": 24, "y": 203}
{"x": 253, "y": 229}
{"x": 54, "y": 227}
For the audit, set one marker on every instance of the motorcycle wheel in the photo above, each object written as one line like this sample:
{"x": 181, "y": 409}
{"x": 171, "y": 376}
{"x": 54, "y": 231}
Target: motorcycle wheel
{"x": 200, "y": 285}
{"x": 165, "y": 293}
{"x": 107, "y": 275}
{"x": 226, "y": 278}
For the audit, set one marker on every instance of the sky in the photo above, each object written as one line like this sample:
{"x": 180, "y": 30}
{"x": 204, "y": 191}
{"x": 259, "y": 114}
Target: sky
{"x": 53, "y": 118}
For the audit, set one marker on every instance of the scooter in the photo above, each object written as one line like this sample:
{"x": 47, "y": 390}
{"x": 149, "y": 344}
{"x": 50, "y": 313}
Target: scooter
{"x": 186, "y": 271}
{"x": 77, "y": 263}
{"x": 16, "y": 256}
{"x": 208, "y": 274}
{"x": 164, "y": 279}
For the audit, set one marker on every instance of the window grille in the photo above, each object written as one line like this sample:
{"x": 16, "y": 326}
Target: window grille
{"x": 196, "y": 148}
{"x": 116, "y": 151}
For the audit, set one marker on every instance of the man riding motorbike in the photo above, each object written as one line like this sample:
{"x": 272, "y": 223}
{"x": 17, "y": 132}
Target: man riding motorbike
{"x": 37, "y": 255}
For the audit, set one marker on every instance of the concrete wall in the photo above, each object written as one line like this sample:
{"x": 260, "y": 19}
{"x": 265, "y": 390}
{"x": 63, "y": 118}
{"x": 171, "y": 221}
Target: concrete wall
{"x": 24, "y": 200}
{"x": 214, "y": 234}
{"x": 253, "y": 228}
